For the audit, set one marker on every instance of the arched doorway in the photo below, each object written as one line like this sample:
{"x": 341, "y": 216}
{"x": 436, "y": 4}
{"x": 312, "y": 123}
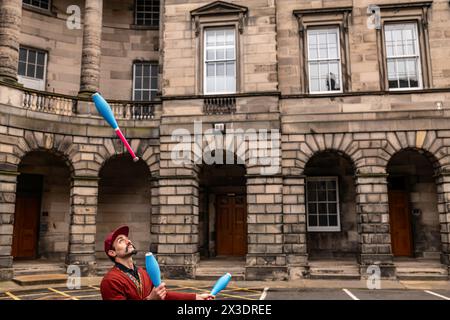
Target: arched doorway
{"x": 124, "y": 199}
{"x": 42, "y": 211}
{"x": 413, "y": 211}
{"x": 331, "y": 207}
{"x": 222, "y": 211}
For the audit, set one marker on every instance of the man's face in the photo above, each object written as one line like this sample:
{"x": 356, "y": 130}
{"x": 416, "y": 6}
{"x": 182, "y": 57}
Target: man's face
{"x": 122, "y": 247}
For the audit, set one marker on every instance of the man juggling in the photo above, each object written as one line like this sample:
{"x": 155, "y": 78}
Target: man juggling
{"x": 126, "y": 281}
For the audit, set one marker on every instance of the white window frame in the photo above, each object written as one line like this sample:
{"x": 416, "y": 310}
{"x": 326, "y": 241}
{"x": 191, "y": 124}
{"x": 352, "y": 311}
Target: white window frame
{"x": 134, "y": 80}
{"x": 205, "y": 61}
{"x": 324, "y": 228}
{"x": 417, "y": 56}
{"x": 318, "y": 60}
{"x": 32, "y": 82}
{"x": 31, "y": 5}
{"x": 144, "y": 12}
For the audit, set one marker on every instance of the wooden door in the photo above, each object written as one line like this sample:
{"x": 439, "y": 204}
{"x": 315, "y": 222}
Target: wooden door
{"x": 26, "y": 217}
{"x": 400, "y": 222}
{"x": 231, "y": 225}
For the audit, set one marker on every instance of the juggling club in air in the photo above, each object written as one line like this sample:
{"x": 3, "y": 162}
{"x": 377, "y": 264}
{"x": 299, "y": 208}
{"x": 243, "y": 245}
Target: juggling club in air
{"x": 105, "y": 111}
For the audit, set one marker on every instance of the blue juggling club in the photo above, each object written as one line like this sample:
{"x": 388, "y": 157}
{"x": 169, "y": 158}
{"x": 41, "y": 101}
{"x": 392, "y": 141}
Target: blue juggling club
{"x": 221, "y": 284}
{"x": 152, "y": 267}
{"x": 105, "y": 111}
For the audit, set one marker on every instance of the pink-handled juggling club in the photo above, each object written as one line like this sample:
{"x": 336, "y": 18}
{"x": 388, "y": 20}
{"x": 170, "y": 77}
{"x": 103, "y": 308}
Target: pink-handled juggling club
{"x": 105, "y": 111}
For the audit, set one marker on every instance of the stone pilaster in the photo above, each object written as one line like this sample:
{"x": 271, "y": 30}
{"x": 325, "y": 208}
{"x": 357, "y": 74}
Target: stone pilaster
{"x": 8, "y": 181}
{"x": 265, "y": 257}
{"x": 91, "y": 52}
{"x": 84, "y": 198}
{"x": 176, "y": 226}
{"x": 10, "y": 21}
{"x": 374, "y": 230}
{"x": 294, "y": 226}
{"x": 443, "y": 189}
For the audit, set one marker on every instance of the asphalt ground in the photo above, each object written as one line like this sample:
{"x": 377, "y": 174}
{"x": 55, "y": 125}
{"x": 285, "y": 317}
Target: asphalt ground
{"x": 93, "y": 293}
{"x": 356, "y": 294}
{"x": 242, "y": 293}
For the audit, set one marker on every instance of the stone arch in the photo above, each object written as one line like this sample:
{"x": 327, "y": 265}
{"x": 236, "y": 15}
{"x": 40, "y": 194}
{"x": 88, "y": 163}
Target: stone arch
{"x": 342, "y": 144}
{"x": 425, "y": 142}
{"x": 143, "y": 148}
{"x": 58, "y": 145}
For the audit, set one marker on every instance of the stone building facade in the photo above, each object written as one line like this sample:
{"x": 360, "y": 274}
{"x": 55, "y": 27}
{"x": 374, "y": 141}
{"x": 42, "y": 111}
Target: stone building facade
{"x": 351, "y": 164}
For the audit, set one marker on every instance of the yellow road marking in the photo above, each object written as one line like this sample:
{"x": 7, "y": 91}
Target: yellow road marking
{"x": 233, "y": 296}
{"x": 62, "y": 293}
{"x": 9, "y": 294}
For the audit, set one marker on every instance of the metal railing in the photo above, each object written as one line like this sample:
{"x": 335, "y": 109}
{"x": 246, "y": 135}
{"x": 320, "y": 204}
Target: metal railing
{"x": 219, "y": 105}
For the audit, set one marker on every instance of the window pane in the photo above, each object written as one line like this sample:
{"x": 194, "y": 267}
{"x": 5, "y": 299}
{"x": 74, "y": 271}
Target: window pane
{"x": 331, "y": 195}
{"x": 332, "y": 208}
{"x": 32, "y": 56}
{"x": 40, "y": 72}
{"x": 146, "y": 70}
{"x": 220, "y": 84}
{"x": 210, "y": 70}
{"x": 323, "y": 220}
{"x": 138, "y": 70}
{"x": 332, "y": 220}
{"x": 311, "y": 192}
{"x": 312, "y": 208}
{"x": 22, "y": 69}
{"x": 220, "y": 37}
{"x": 220, "y": 54}
{"x": 210, "y": 38}
{"x": 210, "y": 87}
{"x": 23, "y": 55}
{"x": 322, "y": 208}
{"x": 41, "y": 59}
{"x": 230, "y": 37}
{"x": 31, "y": 70}
{"x": 312, "y": 220}
{"x": 146, "y": 95}
{"x": 230, "y": 69}
{"x": 220, "y": 69}
{"x": 154, "y": 70}
{"x": 146, "y": 83}
{"x": 333, "y": 81}
{"x": 230, "y": 54}
{"x": 138, "y": 83}
{"x": 154, "y": 83}
{"x": 137, "y": 95}
{"x": 210, "y": 55}
{"x": 231, "y": 84}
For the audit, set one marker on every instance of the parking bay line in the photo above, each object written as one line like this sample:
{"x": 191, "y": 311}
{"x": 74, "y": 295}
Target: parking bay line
{"x": 437, "y": 294}
{"x": 63, "y": 293}
{"x": 351, "y": 295}
{"x": 264, "y": 293}
{"x": 9, "y": 294}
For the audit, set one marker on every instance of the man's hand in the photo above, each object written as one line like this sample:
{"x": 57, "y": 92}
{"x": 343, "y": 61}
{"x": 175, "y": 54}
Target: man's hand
{"x": 204, "y": 296}
{"x": 158, "y": 293}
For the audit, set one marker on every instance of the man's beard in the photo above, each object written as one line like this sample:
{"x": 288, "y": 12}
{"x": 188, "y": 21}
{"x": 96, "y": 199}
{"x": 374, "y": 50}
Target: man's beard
{"x": 132, "y": 252}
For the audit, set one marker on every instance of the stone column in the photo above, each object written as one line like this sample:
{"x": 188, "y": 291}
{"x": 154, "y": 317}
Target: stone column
{"x": 176, "y": 226}
{"x": 374, "y": 230}
{"x": 265, "y": 257}
{"x": 8, "y": 180}
{"x": 10, "y": 20}
{"x": 294, "y": 226}
{"x": 443, "y": 190}
{"x": 83, "y": 201}
{"x": 91, "y": 52}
